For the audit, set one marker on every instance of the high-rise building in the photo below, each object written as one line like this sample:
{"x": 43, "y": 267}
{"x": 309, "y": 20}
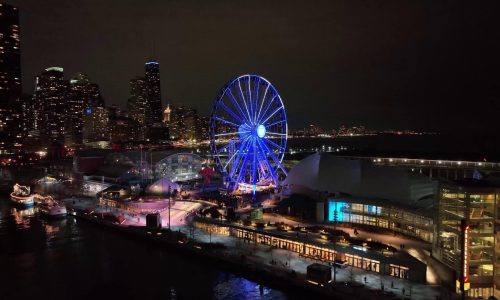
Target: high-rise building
{"x": 49, "y": 105}
{"x": 28, "y": 114}
{"x": 10, "y": 77}
{"x": 136, "y": 104}
{"x": 81, "y": 94}
{"x": 167, "y": 115}
{"x": 184, "y": 123}
{"x": 95, "y": 124}
{"x": 123, "y": 129}
{"x": 152, "y": 89}
{"x": 204, "y": 123}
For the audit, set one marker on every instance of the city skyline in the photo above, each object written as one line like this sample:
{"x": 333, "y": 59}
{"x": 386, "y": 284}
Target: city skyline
{"x": 417, "y": 63}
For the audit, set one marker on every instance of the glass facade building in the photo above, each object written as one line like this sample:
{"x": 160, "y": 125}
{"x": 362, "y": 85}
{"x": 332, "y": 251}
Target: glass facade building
{"x": 179, "y": 167}
{"x": 176, "y": 166}
{"x": 477, "y": 203}
{"x": 377, "y": 213}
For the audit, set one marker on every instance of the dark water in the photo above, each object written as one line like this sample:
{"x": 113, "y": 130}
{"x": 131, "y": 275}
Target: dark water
{"x": 68, "y": 259}
{"x": 446, "y": 146}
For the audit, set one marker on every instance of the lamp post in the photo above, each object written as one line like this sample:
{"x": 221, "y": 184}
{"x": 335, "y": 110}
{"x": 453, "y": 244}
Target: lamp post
{"x": 169, "y": 198}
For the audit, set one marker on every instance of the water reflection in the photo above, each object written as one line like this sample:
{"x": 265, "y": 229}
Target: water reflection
{"x": 22, "y": 216}
{"x": 69, "y": 259}
{"x": 232, "y": 287}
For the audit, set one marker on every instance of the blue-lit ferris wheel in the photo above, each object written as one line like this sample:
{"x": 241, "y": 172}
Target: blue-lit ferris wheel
{"x": 248, "y": 133}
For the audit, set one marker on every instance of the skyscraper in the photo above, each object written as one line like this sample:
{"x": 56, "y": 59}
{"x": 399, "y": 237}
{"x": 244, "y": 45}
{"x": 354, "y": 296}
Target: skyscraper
{"x": 10, "y": 77}
{"x": 81, "y": 94}
{"x": 184, "y": 123}
{"x": 95, "y": 125}
{"x": 49, "y": 104}
{"x": 166, "y": 115}
{"x": 136, "y": 104}
{"x": 153, "y": 93}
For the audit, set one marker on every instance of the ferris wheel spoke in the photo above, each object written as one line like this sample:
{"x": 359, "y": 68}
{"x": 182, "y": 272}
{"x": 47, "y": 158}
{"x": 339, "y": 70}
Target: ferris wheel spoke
{"x": 231, "y": 143}
{"x": 274, "y": 144}
{"x": 254, "y": 164}
{"x": 275, "y": 133}
{"x": 262, "y": 172}
{"x": 264, "y": 112}
{"x": 266, "y": 161}
{"x": 242, "y": 168}
{"x": 229, "y": 111}
{"x": 255, "y": 101}
{"x": 274, "y": 112}
{"x": 243, "y": 99}
{"x": 226, "y": 134}
{"x": 236, "y": 104}
{"x": 250, "y": 99}
{"x": 276, "y": 160}
{"x": 263, "y": 162}
{"x": 275, "y": 123}
{"x": 227, "y": 122}
{"x": 238, "y": 157}
{"x": 229, "y": 160}
{"x": 262, "y": 102}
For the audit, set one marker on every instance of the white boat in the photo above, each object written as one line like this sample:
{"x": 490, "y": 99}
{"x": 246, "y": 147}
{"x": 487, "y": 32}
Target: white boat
{"x": 21, "y": 195}
{"x": 49, "y": 207}
{"x": 52, "y": 210}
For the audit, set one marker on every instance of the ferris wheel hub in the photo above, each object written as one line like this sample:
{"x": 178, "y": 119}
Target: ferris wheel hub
{"x": 260, "y": 130}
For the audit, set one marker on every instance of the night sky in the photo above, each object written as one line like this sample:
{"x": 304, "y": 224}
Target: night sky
{"x": 432, "y": 65}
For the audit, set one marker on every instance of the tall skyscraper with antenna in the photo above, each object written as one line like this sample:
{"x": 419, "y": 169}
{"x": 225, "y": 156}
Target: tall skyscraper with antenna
{"x": 153, "y": 93}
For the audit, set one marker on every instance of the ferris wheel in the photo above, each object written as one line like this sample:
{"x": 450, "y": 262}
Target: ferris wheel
{"x": 248, "y": 133}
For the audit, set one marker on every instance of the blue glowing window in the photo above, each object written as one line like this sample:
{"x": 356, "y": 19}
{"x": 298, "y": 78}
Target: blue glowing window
{"x": 373, "y": 209}
{"x": 336, "y": 211}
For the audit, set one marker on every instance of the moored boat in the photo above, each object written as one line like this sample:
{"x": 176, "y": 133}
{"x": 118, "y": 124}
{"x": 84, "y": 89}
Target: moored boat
{"x": 53, "y": 210}
{"x": 21, "y": 195}
{"x": 49, "y": 207}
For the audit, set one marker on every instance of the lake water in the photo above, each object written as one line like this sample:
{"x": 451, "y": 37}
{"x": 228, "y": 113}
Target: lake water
{"x": 69, "y": 259}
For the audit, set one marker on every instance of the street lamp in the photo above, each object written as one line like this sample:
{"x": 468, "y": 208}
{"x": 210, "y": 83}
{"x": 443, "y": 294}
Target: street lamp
{"x": 169, "y": 203}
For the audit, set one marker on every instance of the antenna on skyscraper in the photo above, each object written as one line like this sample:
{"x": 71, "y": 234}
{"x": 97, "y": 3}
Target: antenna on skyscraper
{"x": 153, "y": 51}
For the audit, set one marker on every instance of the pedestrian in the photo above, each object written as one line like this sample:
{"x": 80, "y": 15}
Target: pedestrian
{"x": 403, "y": 291}
{"x": 365, "y": 279}
{"x": 392, "y": 284}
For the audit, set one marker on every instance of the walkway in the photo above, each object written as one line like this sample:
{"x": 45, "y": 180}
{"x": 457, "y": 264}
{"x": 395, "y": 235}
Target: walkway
{"x": 287, "y": 261}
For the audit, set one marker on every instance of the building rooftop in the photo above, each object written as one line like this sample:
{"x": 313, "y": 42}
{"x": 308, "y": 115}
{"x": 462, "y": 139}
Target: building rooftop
{"x": 325, "y": 172}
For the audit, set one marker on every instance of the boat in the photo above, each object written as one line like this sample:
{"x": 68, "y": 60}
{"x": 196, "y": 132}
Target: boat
{"x": 22, "y": 196}
{"x": 54, "y": 210}
{"x": 49, "y": 207}
{"x": 41, "y": 199}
